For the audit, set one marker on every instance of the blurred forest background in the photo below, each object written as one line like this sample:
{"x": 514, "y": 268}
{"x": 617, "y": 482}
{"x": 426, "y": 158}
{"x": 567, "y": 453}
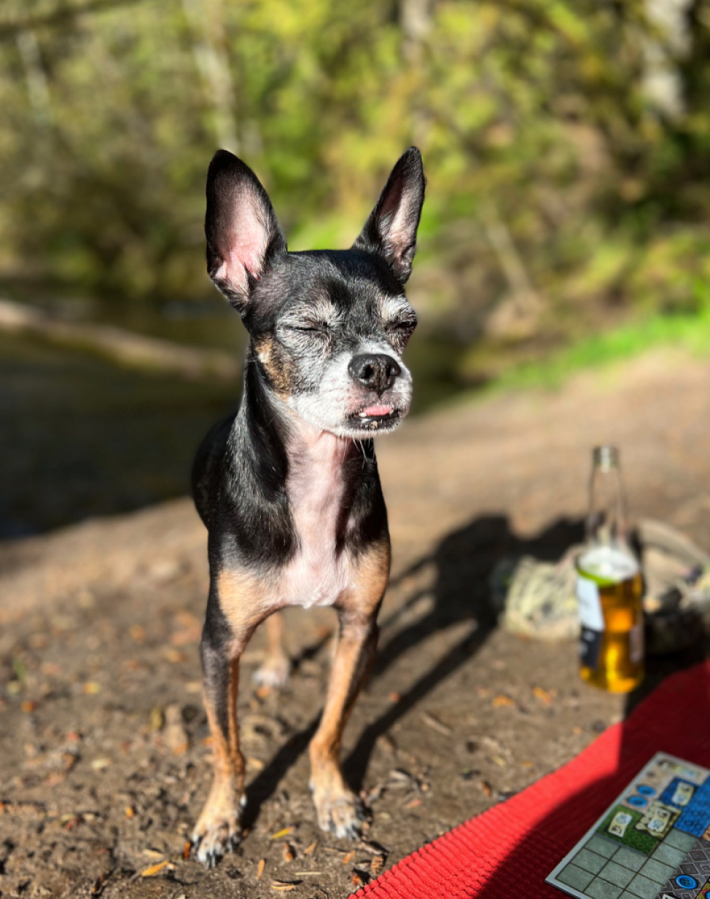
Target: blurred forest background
{"x": 567, "y": 149}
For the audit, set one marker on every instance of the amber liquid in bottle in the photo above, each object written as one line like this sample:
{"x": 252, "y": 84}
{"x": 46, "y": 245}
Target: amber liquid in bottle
{"x": 612, "y": 650}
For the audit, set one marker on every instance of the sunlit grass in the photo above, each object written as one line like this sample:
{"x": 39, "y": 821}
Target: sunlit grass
{"x": 690, "y": 331}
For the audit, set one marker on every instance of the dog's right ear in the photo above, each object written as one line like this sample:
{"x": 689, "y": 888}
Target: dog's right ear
{"x": 391, "y": 230}
{"x": 243, "y": 234}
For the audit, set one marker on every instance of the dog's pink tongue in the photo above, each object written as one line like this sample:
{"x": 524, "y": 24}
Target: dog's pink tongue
{"x": 373, "y": 411}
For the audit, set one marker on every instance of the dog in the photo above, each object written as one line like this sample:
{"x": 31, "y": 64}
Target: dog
{"x": 288, "y": 486}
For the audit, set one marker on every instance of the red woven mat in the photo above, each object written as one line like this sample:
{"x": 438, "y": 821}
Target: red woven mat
{"x": 509, "y": 850}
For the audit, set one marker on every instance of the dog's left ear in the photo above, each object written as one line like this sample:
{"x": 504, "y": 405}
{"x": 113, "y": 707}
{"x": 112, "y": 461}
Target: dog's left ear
{"x": 391, "y": 230}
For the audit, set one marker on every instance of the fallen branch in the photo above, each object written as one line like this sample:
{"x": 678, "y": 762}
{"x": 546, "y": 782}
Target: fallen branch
{"x": 125, "y": 347}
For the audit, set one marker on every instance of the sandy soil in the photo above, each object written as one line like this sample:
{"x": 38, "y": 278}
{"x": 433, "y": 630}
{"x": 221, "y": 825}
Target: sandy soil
{"x": 104, "y": 751}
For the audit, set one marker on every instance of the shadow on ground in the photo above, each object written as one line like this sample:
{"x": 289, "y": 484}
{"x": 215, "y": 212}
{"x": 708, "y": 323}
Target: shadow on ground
{"x": 462, "y": 562}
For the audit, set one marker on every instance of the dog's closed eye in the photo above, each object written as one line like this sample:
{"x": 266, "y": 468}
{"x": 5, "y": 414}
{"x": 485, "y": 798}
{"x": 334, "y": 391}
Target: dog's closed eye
{"x": 309, "y": 327}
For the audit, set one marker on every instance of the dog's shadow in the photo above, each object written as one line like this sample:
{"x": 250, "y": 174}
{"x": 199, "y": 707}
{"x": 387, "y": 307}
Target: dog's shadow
{"x": 462, "y": 562}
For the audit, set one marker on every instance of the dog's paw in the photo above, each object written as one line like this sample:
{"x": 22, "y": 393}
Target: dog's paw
{"x": 341, "y": 814}
{"x": 274, "y": 672}
{"x": 216, "y": 833}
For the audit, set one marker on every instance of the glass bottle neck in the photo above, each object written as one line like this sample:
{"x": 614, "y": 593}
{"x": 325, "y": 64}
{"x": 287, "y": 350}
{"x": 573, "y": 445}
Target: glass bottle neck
{"x": 606, "y": 522}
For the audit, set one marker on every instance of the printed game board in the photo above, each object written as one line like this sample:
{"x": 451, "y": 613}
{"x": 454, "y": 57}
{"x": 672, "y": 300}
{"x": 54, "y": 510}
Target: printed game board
{"x": 652, "y": 843}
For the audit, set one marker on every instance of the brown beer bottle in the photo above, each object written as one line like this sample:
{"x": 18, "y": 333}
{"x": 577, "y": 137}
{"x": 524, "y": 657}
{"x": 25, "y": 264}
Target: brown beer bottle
{"x": 609, "y": 585}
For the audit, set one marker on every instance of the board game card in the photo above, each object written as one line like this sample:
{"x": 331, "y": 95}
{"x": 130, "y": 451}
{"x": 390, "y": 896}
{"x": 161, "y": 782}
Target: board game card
{"x": 653, "y": 842}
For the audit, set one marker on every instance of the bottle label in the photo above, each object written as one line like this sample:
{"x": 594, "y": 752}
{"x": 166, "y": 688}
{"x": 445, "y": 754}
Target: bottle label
{"x": 590, "y": 604}
{"x": 591, "y": 619}
{"x": 590, "y": 646}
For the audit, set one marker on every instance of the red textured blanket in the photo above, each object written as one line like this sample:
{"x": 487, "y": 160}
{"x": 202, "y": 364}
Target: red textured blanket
{"x": 510, "y": 849}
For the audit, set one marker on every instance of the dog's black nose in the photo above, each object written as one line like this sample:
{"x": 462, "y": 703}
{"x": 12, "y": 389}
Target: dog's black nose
{"x": 376, "y": 371}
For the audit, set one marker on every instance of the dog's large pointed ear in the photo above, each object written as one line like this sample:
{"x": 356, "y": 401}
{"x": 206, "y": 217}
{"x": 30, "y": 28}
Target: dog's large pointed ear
{"x": 391, "y": 230}
{"x": 243, "y": 234}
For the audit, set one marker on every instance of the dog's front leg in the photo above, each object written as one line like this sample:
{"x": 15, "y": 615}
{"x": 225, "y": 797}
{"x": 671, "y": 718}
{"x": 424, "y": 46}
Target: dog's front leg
{"x": 231, "y": 620}
{"x": 218, "y": 828}
{"x": 339, "y": 810}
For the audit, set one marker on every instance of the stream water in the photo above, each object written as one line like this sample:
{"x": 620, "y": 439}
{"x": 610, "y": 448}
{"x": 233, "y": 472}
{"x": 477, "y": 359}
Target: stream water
{"x": 81, "y": 436}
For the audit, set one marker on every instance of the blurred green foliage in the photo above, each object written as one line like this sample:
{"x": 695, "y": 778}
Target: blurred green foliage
{"x": 566, "y": 143}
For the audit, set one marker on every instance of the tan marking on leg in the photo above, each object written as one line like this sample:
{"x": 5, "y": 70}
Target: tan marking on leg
{"x": 373, "y": 571}
{"x": 244, "y": 599}
{"x": 218, "y": 828}
{"x": 338, "y": 809}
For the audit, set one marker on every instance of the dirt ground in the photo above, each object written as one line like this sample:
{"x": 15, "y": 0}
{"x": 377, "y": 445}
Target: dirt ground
{"x": 104, "y": 751}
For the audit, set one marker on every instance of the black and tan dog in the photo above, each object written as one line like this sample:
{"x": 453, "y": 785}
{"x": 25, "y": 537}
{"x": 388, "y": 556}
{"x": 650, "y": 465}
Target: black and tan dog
{"x": 288, "y": 488}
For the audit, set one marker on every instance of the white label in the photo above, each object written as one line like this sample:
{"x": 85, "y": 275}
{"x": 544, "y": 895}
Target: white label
{"x": 659, "y": 820}
{"x": 590, "y": 606}
{"x": 619, "y": 823}
{"x": 683, "y": 794}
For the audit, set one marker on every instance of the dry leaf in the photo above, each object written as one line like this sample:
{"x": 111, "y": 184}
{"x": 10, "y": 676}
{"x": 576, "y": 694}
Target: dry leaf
{"x": 260, "y": 868}
{"x": 154, "y": 869}
{"x": 288, "y": 853}
{"x": 502, "y": 701}
{"x": 543, "y": 695}
{"x": 348, "y": 857}
{"x": 281, "y": 833}
{"x": 284, "y": 886}
{"x": 377, "y": 864}
{"x": 311, "y": 848}
{"x": 486, "y": 787}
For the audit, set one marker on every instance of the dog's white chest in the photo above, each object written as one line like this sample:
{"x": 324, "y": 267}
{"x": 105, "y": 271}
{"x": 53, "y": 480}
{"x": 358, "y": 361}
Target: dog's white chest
{"x": 316, "y": 576}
